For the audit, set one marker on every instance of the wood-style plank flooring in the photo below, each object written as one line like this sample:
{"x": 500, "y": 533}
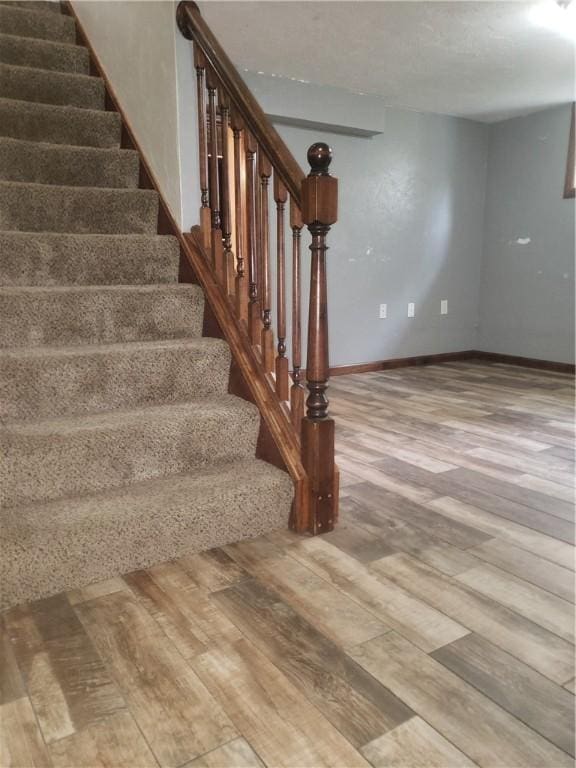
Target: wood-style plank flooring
{"x": 434, "y": 628}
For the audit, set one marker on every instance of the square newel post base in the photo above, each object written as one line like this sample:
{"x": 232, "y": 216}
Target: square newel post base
{"x": 318, "y": 459}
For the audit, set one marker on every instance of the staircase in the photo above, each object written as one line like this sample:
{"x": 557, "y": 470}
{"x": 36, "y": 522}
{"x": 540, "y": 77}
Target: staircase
{"x": 121, "y": 446}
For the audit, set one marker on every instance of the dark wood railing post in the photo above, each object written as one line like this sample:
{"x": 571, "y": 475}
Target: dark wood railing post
{"x": 297, "y": 390}
{"x": 280, "y": 197}
{"x": 319, "y": 212}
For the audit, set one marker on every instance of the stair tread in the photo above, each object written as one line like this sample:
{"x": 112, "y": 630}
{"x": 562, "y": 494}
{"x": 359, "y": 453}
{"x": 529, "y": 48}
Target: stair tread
{"x": 59, "y": 124}
{"x": 116, "y": 531}
{"x": 52, "y": 259}
{"x": 186, "y": 343}
{"x": 38, "y": 162}
{"x": 27, "y": 206}
{"x": 43, "y": 382}
{"x": 165, "y": 490}
{"x": 19, "y": 21}
{"x": 50, "y": 55}
{"x": 40, "y": 290}
{"x": 98, "y": 314}
{"x": 47, "y": 86}
{"x": 63, "y": 425}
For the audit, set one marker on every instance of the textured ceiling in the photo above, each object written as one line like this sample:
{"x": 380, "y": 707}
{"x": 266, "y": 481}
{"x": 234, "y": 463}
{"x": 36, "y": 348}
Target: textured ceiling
{"x": 483, "y": 60}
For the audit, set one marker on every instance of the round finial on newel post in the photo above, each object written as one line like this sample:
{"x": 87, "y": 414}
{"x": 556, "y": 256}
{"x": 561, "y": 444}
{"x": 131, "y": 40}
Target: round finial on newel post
{"x": 319, "y": 158}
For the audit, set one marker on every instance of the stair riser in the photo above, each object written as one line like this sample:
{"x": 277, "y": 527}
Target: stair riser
{"x": 41, "y": 208}
{"x": 60, "y": 385}
{"x": 58, "y": 125}
{"x": 121, "y": 537}
{"x": 56, "y": 88}
{"x": 98, "y": 316}
{"x": 42, "y": 54}
{"x": 87, "y": 260}
{"x": 45, "y": 26}
{"x": 44, "y": 467}
{"x": 51, "y": 164}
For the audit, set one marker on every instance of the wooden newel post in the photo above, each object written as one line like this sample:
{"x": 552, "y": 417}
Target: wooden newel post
{"x": 319, "y": 212}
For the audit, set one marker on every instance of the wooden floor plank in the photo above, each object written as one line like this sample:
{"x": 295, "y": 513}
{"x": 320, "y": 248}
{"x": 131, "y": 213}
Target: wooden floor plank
{"x": 443, "y": 485}
{"x": 555, "y": 470}
{"x": 99, "y": 589}
{"x": 391, "y": 506}
{"x": 11, "y": 683}
{"x": 67, "y": 683}
{"x": 536, "y": 604}
{"x": 526, "y": 538}
{"x": 415, "y": 744}
{"x": 235, "y": 754}
{"x": 185, "y": 612}
{"x": 543, "y": 651}
{"x": 546, "y": 707}
{"x": 515, "y": 492}
{"x": 472, "y": 722}
{"x": 398, "y": 535}
{"x": 350, "y": 699}
{"x": 176, "y": 714}
{"x": 533, "y": 569}
{"x": 212, "y": 570}
{"x": 284, "y": 728}
{"x": 557, "y": 491}
{"x": 21, "y": 744}
{"x": 328, "y": 609}
{"x": 357, "y": 542}
{"x": 114, "y": 741}
{"x": 421, "y": 623}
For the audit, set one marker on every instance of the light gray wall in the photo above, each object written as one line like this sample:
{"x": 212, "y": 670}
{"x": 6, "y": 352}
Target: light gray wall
{"x": 410, "y": 221}
{"x": 150, "y": 67}
{"x": 527, "y": 293}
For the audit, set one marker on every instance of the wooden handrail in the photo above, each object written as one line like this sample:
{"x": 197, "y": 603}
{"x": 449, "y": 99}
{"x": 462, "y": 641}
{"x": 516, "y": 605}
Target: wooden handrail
{"x": 193, "y": 27}
{"x": 240, "y": 153}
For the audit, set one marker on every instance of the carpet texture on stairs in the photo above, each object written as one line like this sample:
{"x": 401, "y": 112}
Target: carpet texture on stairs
{"x": 120, "y": 447}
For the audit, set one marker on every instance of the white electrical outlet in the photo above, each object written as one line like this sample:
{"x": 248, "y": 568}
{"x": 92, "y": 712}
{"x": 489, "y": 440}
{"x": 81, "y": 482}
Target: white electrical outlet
{"x": 444, "y": 307}
{"x": 411, "y": 311}
{"x": 383, "y": 311}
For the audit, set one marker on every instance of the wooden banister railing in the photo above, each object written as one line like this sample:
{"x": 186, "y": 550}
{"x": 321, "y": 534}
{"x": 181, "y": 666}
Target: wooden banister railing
{"x": 252, "y": 191}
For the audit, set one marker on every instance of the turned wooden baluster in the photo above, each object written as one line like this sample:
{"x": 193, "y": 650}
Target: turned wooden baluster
{"x": 254, "y": 316}
{"x": 267, "y": 343}
{"x": 214, "y": 175}
{"x": 205, "y": 220}
{"x": 319, "y": 211}
{"x": 240, "y": 224}
{"x": 297, "y": 395}
{"x": 280, "y": 196}
{"x": 229, "y": 265}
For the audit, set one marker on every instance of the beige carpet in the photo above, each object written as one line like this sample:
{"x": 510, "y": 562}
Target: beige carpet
{"x": 120, "y": 445}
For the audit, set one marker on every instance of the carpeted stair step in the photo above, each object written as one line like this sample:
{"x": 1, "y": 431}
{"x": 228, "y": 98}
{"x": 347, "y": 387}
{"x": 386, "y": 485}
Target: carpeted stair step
{"x": 40, "y": 6}
{"x": 16, "y": 20}
{"x": 68, "y": 543}
{"x": 44, "y": 54}
{"x": 110, "y": 314}
{"x": 30, "y": 258}
{"x": 43, "y": 382}
{"x": 47, "y": 208}
{"x": 45, "y": 87}
{"x": 48, "y": 459}
{"x": 67, "y": 165}
{"x": 29, "y": 121}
